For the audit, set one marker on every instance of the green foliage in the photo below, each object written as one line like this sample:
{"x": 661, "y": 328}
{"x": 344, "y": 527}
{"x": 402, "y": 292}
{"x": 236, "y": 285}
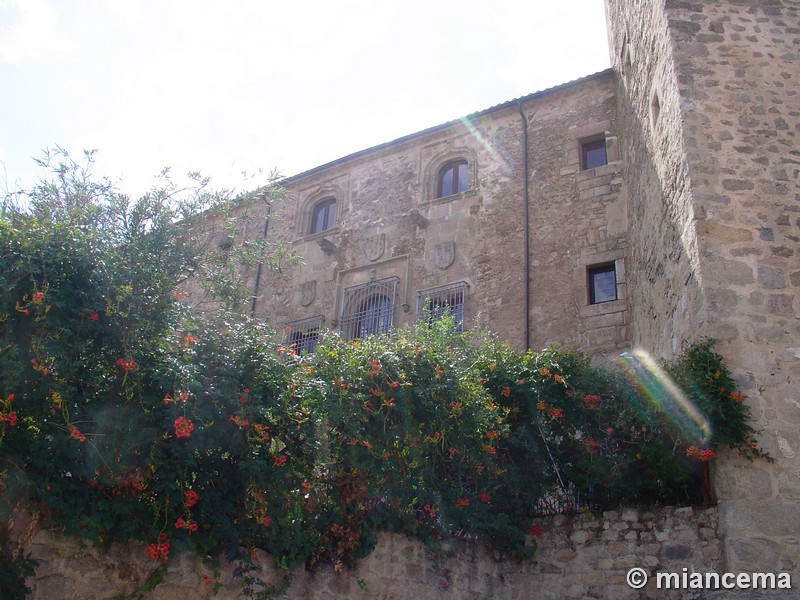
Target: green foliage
{"x": 127, "y": 415}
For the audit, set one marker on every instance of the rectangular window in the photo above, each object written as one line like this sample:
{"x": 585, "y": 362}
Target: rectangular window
{"x": 602, "y": 283}
{"x": 303, "y": 336}
{"x": 434, "y": 303}
{"x": 368, "y": 309}
{"x": 593, "y": 153}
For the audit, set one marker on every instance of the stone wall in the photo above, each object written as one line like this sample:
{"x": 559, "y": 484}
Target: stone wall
{"x": 578, "y": 556}
{"x": 719, "y": 151}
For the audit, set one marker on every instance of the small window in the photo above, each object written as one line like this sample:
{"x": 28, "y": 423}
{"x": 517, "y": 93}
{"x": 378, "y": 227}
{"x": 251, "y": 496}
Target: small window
{"x": 593, "y": 154}
{"x": 452, "y": 178}
{"x": 602, "y": 283}
{"x": 434, "y": 303}
{"x": 368, "y": 309}
{"x": 303, "y": 336}
{"x": 323, "y": 215}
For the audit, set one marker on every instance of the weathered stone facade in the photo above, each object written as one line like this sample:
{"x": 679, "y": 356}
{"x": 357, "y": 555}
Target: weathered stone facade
{"x": 392, "y": 223}
{"x": 709, "y": 116}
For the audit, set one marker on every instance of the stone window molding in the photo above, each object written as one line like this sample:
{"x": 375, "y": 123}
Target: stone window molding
{"x": 440, "y": 162}
{"x": 586, "y": 134}
{"x": 329, "y": 195}
{"x": 581, "y": 283}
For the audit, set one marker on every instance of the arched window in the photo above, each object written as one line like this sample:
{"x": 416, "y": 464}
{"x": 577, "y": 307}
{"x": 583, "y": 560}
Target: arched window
{"x": 368, "y": 308}
{"x": 323, "y": 215}
{"x": 453, "y": 178}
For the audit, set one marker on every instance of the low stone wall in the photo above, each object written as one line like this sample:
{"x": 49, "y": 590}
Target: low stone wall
{"x": 578, "y": 556}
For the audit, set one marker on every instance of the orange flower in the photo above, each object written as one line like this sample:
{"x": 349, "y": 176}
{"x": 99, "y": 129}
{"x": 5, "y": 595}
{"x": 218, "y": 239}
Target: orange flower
{"x": 506, "y": 392}
{"x": 75, "y": 434}
{"x": 558, "y": 378}
{"x": 591, "y": 446}
{"x": 737, "y": 396}
{"x": 462, "y": 502}
{"x": 279, "y": 460}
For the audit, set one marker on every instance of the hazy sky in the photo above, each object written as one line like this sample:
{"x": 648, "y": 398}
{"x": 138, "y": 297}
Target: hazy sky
{"x": 242, "y": 85}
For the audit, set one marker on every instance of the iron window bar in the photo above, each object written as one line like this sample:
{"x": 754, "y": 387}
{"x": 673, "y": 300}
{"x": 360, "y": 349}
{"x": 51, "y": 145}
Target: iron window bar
{"x": 368, "y": 309}
{"x": 434, "y": 303}
{"x": 303, "y": 335}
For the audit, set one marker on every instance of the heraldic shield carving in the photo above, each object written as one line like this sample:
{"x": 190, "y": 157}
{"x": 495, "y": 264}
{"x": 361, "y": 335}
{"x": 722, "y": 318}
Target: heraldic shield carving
{"x": 375, "y": 246}
{"x": 444, "y": 254}
{"x": 308, "y": 291}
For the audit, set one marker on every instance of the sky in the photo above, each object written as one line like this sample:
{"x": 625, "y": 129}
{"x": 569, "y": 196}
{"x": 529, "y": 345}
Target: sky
{"x": 227, "y": 87}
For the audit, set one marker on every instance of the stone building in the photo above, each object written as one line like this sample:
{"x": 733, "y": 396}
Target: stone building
{"x": 645, "y": 206}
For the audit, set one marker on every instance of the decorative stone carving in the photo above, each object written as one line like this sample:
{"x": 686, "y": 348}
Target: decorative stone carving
{"x": 375, "y": 246}
{"x": 308, "y": 292}
{"x": 444, "y": 254}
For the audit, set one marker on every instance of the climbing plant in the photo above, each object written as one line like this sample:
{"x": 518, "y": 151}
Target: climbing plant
{"x": 128, "y": 414}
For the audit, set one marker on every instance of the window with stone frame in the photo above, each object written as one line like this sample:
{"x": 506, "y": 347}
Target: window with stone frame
{"x": 593, "y": 152}
{"x": 453, "y": 178}
{"x": 434, "y": 303}
{"x": 368, "y": 309}
{"x": 323, "y": 215}
{"x": 303, "y": 336}
{"x": 602, "y": 283}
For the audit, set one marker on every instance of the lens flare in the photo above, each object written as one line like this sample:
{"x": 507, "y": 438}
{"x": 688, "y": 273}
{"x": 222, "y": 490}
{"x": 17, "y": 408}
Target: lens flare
{"x": 657, "y": 386}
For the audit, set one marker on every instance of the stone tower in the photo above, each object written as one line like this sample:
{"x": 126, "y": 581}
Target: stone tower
{"x": 708, "y": 100}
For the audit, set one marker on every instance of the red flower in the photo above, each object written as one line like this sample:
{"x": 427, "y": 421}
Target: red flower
{"x": 591, "y": 401}
{"x": 556, "y": 413}
{"x": 10, "y": 418}
{"x": 126, "y": 365}
{"x": 37, "y": 298}
{"x": 492, "y": 435}
{"x": 265, "y": 521}
{"x": 591, "y": 446}
{"x": 190, "y": 498}
{"x": 737, "y": 396}
{"x": 183, "y": 427}
{"x": 484, "y": 497}
{"x": 535, "y": 530}
{"x": 237, "y": 420}
{"x": 279, "y": 460}
{"x": 462, "y": 502}
{"x": 506, "y": 392}
{"x": 75, "y": 434}
{"x": 160, "y": 549}
{"x": 94, "y": 316}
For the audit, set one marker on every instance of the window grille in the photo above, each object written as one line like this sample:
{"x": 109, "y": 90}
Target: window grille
{"x": 434, "y": 303}
{"x": 304, "y": 335}
{"x": 368, "y": 309}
